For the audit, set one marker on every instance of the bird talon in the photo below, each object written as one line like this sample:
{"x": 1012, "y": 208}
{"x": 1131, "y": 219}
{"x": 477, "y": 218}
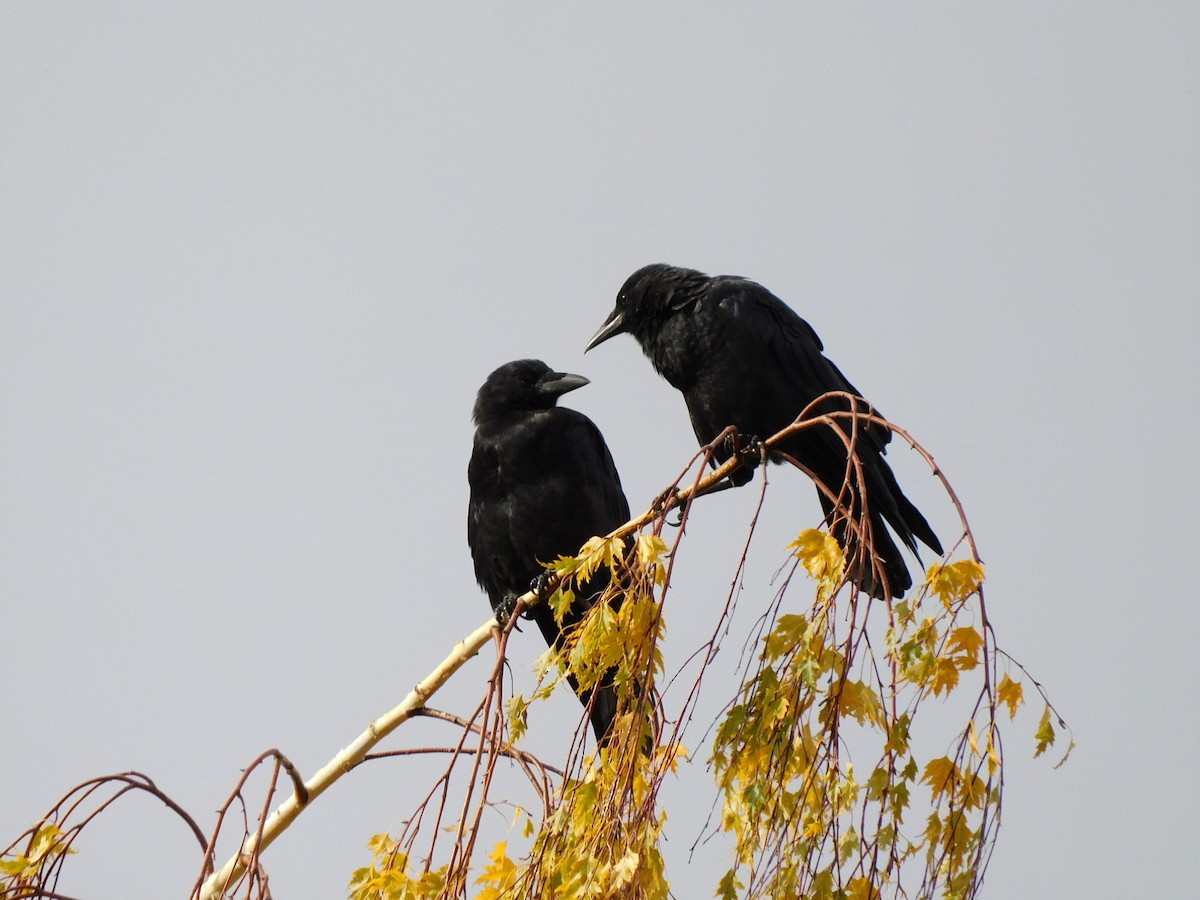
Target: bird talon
{"x": 507, "y": 610}
{"x": 672, "y": 496}
{"x": 541, "y": 585}
{"x": 747, "y": 448}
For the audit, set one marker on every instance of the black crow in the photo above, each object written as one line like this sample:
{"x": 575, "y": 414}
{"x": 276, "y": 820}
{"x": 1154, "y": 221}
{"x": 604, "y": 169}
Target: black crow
{"x": 542, "y": 483}
{"x": 742, "y": 357}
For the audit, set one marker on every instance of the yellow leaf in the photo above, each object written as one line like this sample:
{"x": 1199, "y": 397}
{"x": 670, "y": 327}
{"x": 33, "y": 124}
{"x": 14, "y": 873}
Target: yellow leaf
{"x": 974, "y": 791}
{"x": 561, "y": 602}
{"x": 591, "y": 554}
{"x": 956, "y": 581}
{"x": 651, "y": 549}
{"x": 518, "y": 716}
{"x": 17, "y": 865}
{"x": 48, "y": 843}
{"x": 945, "y": 676}
{"x": 966, "y": 643}
{"x": 1010, "y": 692}
{"x": 1045, "y": 734}
{"x": 861, "y": 889}
{"x": 381, "y": 844}
{"x": 730, "y": 887}
{"x": 500, "y": 874}
{"x": 993, "y": 752}
{"x": 820, "y": 555}
{"x": 624, "y": 871}
{"x": 848, "y": 845}
{"x": 822, "y": 886}
{"x": 862, "y": 702}
{"x": 933, "y": 831}
{"x": 940, "y": 775}
{"x": 596, "y": 552}
{"x": 788, "y": 632}
{"x": 877, "y": 783}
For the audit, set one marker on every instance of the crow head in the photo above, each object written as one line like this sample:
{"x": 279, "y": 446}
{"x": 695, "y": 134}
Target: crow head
{"x": 523, "y": 385}
{"x": 649, "y": 295}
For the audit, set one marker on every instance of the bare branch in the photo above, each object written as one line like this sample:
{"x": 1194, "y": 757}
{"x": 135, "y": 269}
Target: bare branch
{"x": 482, "y": 740}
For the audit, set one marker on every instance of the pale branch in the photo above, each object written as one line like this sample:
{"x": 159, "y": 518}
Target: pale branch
{"x": 343, "y": 762}
{"x": 219, "y": 882}
{"x": 847, "y": 424}
{"x": 252, "y": 846}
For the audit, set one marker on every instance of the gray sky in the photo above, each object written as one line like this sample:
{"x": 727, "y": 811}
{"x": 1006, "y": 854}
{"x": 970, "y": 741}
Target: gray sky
{"x": 258, "y": 258}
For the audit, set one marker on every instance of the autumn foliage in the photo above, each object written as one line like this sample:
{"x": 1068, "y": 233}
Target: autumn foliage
{"x": 859, "y": 755}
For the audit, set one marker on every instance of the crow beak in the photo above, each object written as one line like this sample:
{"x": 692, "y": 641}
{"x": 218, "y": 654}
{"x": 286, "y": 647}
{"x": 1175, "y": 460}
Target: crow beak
{"x": 555, "y": 384}
{"x": 614, "y": 325}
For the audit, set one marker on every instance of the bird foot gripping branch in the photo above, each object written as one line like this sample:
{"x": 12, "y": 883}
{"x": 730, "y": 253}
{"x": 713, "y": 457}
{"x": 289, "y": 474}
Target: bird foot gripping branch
{"x": 750, "y": 449}
{"x": 509, "y": 611}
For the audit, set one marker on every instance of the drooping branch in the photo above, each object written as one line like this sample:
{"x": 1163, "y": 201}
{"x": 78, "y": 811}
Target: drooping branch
{"x": 847, "y": 424}
{"x": 219, "y": 882}
{"x": 42, "y": 849}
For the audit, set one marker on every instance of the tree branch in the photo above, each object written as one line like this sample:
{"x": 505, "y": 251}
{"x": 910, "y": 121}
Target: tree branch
{"x": 252, "y": 846}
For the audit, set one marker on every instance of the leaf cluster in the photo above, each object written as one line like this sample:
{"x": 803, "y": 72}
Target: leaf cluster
{"x": 804, "y": 822}
{"x": 822, "y": 785}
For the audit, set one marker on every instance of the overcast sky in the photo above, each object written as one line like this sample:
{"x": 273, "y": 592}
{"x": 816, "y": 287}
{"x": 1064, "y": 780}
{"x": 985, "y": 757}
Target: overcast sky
{"x": 255, "y": 260}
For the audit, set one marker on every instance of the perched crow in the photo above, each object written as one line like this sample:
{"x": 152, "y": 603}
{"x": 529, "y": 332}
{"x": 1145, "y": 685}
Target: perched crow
{"x": 742, "y": 357}
{"x": 542, "y": 483}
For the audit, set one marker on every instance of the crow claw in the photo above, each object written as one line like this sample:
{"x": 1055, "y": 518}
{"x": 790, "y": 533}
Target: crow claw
{"x": 506, "y": 610}
{"x": 747, "y": 448}
{"x": 541, "y": 586}
{"x": 671, "y": 496}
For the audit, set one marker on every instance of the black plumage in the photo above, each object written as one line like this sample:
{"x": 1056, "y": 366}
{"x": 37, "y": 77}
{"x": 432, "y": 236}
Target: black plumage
{"x": 743, "y": 357}
{"x": 542, "y": 483}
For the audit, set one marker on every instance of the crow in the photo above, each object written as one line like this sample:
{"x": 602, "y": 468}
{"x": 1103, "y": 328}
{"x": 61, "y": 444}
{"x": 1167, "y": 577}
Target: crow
{"x": 743, "y": 357}
{"x": 542, "y": 483}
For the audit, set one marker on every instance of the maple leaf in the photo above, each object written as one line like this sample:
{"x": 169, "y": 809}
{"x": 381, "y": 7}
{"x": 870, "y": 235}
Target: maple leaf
{"x": 966, "y": 644}
{"x": 945, "y": 676}
{"x": 820, "y": 554}
{"x": 1010, "y": 692}
{"x": 940, "y": 775}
